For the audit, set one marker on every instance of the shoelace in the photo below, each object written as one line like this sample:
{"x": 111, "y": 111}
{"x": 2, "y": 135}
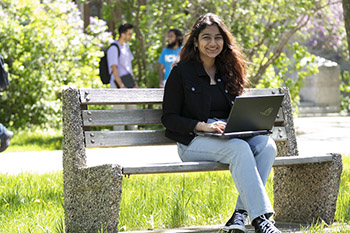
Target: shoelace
{"x": 239, "y": 218}
{"x": 268, "y": 226}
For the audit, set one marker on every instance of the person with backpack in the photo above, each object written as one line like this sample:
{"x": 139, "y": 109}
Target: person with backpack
{"x": 119, "y": 58}
{"x": 5, "y": 135}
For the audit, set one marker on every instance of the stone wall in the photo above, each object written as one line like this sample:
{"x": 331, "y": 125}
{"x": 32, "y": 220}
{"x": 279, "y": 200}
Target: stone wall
{"x": 323, "y": 88}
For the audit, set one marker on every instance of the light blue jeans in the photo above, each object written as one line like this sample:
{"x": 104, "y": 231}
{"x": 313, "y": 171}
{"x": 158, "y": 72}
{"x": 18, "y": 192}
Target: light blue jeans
{"x": 250, "y": 162}
{"x": 3, "y": 131}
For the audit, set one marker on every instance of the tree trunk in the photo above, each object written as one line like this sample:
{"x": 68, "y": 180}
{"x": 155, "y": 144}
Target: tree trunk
{"x": 346, "y": 7}
{"x": 141, "y": 51}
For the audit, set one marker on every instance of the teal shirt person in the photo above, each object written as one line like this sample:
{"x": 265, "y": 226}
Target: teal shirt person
{"x": 167, "y": 58}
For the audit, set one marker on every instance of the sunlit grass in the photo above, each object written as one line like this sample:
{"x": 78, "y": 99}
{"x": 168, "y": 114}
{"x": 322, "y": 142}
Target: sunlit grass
{"x": 34, "y": 203}
{"x": 342, "y": 213}
{"x": 173, "y": 200}
{"x": 36, "y": 139}
{"x": 31, "y": 202}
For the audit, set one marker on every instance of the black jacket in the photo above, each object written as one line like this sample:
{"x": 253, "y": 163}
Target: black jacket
{"x": 187, "y": 101}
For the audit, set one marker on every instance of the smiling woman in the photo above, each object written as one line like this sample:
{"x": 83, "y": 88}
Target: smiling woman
{"x": 201, "y": 88}
{"x": 210, "y": 43}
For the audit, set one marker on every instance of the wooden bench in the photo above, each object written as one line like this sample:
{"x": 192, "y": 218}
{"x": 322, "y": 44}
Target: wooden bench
{"x": 305, "y": 187}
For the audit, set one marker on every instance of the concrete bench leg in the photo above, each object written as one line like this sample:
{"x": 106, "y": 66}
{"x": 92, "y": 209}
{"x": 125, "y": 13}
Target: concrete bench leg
{"x": 305, "y": 193}
{"x": 92, "y": 202}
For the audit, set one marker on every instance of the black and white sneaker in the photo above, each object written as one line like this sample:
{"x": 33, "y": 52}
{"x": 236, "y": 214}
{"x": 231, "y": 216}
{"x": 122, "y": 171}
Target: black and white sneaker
{"x": 263, "y": 225}
{"x": 236, "y": 224}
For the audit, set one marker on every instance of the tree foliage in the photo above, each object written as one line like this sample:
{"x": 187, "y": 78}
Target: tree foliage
{"x": 326, "y": 29}
{"x": 45, "y": 48}
{"x": 265, "y": 29}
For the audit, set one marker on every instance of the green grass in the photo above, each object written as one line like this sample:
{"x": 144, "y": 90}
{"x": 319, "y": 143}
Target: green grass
{"x": 168, "y": 201}
{"x": 36, "y": 139}
{"x": 34, "y": 203}
{"x": 31, "y": 202}
{"x": 342, "y": 213}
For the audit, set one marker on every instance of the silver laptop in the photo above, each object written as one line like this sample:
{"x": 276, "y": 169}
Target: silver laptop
{"x": 250, "y": 116}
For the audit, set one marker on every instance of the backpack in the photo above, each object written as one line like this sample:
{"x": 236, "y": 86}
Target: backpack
{"x": 105, "y": 76}
{"x": 4, "y": 77}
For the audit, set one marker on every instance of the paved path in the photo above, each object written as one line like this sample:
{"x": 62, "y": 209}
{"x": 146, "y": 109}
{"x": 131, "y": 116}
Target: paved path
{"x": 323, "y": 134}
{"x": 284, "y": 227}
{"x": 315, "y": 135}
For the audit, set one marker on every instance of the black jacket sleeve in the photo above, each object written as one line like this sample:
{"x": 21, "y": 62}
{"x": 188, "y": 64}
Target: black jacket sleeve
{"x": 173, "y": 103}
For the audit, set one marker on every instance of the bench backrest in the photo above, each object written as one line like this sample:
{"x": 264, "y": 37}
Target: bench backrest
{"x": 78, "y": 113}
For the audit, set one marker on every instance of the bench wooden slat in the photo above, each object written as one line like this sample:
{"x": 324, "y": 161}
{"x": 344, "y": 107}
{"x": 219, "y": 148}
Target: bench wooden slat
{"x": 295, "y": 160}
{"x": 216, "y": 166}
{"x": 141, "y": 95}
{"x": 279, "y": 134}
{"x": 280, "y": 117}
{"x": 175, "y": 167}
{"x": 145, "y": 137}
{"x": 126, "y": 138}
{"x": 121, "y": 117}
{"x": 121, "y": 96}
{"x": 133, "y": 117}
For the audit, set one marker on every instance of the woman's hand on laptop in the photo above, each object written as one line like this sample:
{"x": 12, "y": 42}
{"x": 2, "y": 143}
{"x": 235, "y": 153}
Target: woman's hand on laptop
{"x": 217, "y": 126}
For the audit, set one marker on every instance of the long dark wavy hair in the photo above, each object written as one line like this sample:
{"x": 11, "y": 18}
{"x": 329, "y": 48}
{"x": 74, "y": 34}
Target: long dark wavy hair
{"x": 231, "y": 62}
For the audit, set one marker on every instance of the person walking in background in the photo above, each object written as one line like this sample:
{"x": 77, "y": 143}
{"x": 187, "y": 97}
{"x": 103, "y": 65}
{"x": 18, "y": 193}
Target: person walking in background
{"x": 5, "y": 137}
{"x": 202, "y": 88}
{"x": 119, "y": 58}
{"x": 169, "y": 54}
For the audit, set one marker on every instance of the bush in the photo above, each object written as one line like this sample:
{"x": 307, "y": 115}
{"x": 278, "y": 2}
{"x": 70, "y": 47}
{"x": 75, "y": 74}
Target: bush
{"x": 45, "y": 48}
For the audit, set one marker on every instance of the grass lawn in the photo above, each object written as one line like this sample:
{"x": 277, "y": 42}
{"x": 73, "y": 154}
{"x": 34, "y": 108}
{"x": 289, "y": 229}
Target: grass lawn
{"x": 34, "y": 203}
{"x": 36, "y": 139}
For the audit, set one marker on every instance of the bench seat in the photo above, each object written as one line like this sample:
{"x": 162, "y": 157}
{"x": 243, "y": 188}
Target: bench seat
{"x": 154, "y": 168}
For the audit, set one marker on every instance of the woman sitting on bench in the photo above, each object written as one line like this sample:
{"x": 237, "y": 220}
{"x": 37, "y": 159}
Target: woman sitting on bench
{"x": 201, "y": 88}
